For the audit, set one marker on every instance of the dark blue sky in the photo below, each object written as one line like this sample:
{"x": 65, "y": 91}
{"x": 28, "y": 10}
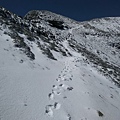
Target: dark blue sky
{"x": 76, "y": 9}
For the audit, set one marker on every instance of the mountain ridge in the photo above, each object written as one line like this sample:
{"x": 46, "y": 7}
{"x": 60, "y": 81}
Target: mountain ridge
{"x": 50, "y": 29}
{"x": 53, "y": 31}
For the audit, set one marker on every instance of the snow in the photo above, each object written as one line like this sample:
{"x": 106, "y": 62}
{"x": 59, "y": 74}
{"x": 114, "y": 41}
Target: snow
{"x": 25, "y": 88}
{"x": 44, "y": 89}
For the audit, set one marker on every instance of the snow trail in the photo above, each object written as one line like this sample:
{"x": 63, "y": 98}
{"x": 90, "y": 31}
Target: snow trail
{"x": 59, "y": 87}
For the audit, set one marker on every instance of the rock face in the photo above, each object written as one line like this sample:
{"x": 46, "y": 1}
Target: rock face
{"x": 43, "y": 37}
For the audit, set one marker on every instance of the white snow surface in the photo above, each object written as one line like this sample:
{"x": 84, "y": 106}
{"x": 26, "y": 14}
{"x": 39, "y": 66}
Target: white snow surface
{"x": 44, "y": 89}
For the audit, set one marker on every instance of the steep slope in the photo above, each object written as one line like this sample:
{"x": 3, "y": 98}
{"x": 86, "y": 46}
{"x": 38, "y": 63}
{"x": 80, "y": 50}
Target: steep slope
{"x": 52, "y": 67}
{"x": 99, "y": 45}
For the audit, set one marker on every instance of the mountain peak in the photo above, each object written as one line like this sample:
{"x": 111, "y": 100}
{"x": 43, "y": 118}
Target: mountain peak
{"x": 41, "y": 14}
{"x": 46, "y": 16}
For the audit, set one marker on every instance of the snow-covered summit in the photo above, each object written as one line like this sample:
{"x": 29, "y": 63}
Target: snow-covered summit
{"x": 52, "y": 67}
{"x": 46, "y": 15}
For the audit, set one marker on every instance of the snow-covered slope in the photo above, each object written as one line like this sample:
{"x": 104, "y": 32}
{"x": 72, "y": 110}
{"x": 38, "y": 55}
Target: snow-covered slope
{"x": 54, "y": 68}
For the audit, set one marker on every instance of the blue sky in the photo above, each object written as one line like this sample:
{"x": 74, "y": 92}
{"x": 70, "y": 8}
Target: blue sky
{"x": 76, "y": 9}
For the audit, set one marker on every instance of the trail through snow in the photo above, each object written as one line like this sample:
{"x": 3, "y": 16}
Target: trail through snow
{"x": 59, "y": 87}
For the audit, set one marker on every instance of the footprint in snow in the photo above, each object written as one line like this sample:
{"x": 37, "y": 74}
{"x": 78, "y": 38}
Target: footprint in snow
{"x": 69, "y": 88}
{"x": 57, "y": 105}
{"x": 61, "y": 85}
{"x": 65, "y": 97}
{"x": 51, "y": 96}
{"x": 58, "y": 80}
{"x": 69, "y": 117}
{"x": 70, "y": 79}
{"x": 55, "y": 87}
{"x": 59, "y": 76}
{"x": 64, "y": 75}
{"x": 56, "y": 92}
{"x": 49, "y": 110}
{"x": 66, "y": 87}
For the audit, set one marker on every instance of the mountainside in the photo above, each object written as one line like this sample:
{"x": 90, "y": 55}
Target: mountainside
{"x": 53, "y": 67}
